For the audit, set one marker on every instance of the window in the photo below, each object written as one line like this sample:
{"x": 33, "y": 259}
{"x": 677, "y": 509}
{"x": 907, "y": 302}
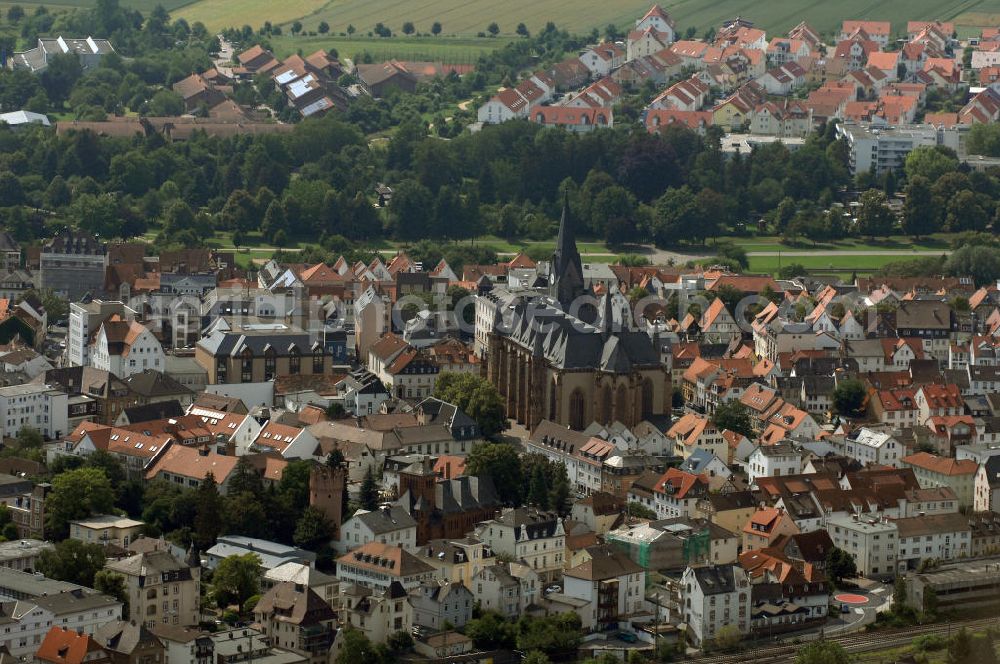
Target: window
{"x": 270, "y": 363}
{"x": 246, "y": 365}
{"x": 318, "y": 361}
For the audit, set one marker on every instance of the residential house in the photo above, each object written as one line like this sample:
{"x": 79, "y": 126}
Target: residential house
{"x": 577, "y": 120}
{"x": 658, "y": 19}
{"x": 390, "y": 525}
{"x": 532, "y": 537}
{"x": 69, "y": 646}
{"x": 687, "y": 95}
{"x": 106, "y": 530}
{"x": 161, "y": 588}
{"x": 602, "y": 59}
{"x": 766, "y": 525}
{"x": 126, "y": 642}
{"x": 611, "y": 584}
{"x": 714, "y": 597}
{"x": 439, "y": 603}
{"x": 676, "y": 493}
{"x": 776, "y": 460}
{"x": 939, "y": 537}
{"x": 877, "y": 31}
{"x": 987, "y": 486}
{"x": 376, "y": 565}
{"x": 873, "y": 448}
{"x": 869, "y": 539}
{"x": 296, "y": 618}
{"x": 507, "y": 588}
{"x": 379, "y": 613}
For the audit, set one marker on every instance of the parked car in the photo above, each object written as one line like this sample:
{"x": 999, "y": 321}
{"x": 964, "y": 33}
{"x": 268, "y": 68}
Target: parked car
{"x": 553, "y": 589}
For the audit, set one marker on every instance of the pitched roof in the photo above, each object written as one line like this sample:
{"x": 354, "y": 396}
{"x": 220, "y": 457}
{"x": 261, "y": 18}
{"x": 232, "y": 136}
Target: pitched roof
{"x": 194, "y": 463}
{"x": 605, "y": 563}
{"x": 384, "y": 558}
{"x": 67, "y": 646}
{"x": 941, "y": 465}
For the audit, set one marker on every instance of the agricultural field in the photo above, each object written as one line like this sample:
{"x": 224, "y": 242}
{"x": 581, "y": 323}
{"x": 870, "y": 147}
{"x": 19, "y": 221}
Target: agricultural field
{"x": 453, "y": 50}
{"x": 469, "y": 17}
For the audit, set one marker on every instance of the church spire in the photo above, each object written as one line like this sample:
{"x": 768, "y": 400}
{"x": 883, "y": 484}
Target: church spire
{"x": 566, "y": 272}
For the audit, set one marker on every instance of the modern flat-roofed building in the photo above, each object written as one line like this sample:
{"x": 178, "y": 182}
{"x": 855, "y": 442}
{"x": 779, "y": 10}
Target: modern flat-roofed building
{"x": 105, "y": 529}
{"x": 73, "y": 264}
{"x": 869, "y": 539}
{"x": 964, "y": 584}
{"x": 35, "y": 406}
{"x": 885, "y": 148}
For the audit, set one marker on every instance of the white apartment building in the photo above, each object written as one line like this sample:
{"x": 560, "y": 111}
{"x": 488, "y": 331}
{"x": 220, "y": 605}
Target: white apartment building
{"x": 530, "y": 536}
{"x": 715, "y": 596}
{"x": 37, "y": 406}
{"x": 937, "y": 536}
{"x": 885, "y": 149}
{"x": 872, "y": 447}
{"x": 871, "y": 540}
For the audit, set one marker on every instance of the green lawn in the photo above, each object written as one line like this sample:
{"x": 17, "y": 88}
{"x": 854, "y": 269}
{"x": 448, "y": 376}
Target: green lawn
{"x": 939, "y": 241}
{"x": 451, "y": 49}
{"x": 839, "y": 264}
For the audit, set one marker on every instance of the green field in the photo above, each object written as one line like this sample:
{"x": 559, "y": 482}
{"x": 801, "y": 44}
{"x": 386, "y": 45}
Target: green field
{"x": 453, "y": 50}
{"x": 838, "y": 264}
{"x": 472, "y": 16}
{"x": 469, "y": 17}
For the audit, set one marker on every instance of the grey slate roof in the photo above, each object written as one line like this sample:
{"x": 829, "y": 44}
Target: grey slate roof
{"x": 716, "y": 579}
{"x": 387, "y": 519}
{"x": 257, "y": 338}
{"x": 697, "y": 463}
{"x": 150, "y": 383}
{"x": 465, "y": 493}
{"x": 569, "y": 343}
{"x": 154, "y": 411}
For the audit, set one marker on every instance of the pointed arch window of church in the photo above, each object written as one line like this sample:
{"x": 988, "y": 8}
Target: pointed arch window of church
{"x": 622, "y": 406}
{"x": 577, "y": 410}
{"x": 647, "y": 397}
{"x": 552, "y": 402}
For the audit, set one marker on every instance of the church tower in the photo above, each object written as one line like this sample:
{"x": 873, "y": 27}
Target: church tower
{"x": 566, "y": 271}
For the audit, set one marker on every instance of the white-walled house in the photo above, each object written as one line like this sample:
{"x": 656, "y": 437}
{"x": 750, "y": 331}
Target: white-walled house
{"x": 507, "y": 588}
{"x": 389, "y": 525}
{"x": 873, "y": 447}
{"x": 658, "y": 19}
{"x": 987, "y": 487}
{"x": 125, "y": 348}
{"x": 773, "y": 461}
{"x": 932, "y": 536}
{"x": 715, "y": 596}
{"x": 611, "y": 584}
{"x": 530, "y": 536}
